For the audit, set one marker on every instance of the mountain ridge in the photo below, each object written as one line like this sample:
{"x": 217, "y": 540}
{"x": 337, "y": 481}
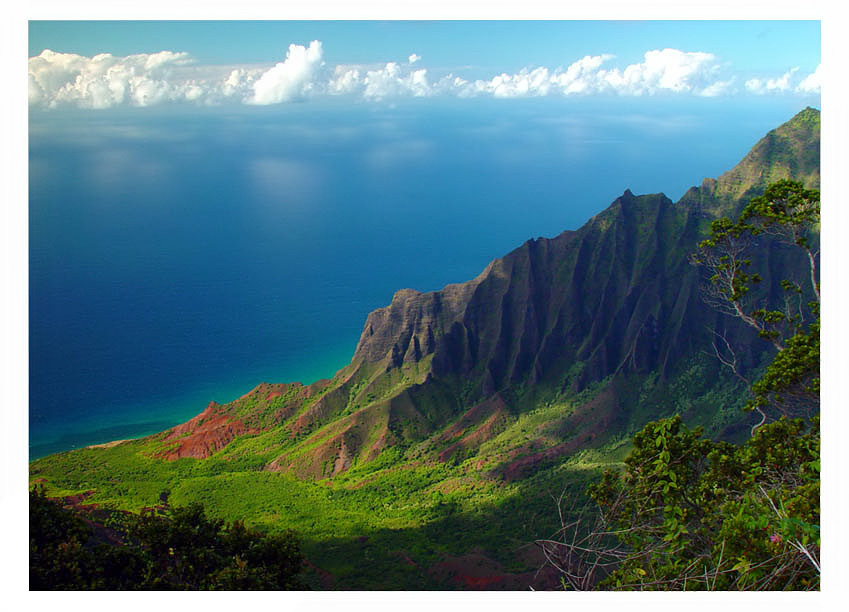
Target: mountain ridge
{"x": 615, "y": 297}
{"x": 466, "y": 415}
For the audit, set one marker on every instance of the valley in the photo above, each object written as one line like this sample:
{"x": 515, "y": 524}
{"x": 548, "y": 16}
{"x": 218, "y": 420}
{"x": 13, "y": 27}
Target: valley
{"x": 437, "y": 457}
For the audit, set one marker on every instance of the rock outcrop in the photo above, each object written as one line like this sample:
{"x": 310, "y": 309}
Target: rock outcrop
{"x": 617, "y": 296}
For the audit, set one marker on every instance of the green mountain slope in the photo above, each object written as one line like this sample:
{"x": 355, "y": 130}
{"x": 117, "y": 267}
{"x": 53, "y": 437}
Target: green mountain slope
{"x": 464, "y": 409}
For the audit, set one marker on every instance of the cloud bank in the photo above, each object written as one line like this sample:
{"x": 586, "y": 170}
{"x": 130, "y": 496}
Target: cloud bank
{"x": 103, "y": 81}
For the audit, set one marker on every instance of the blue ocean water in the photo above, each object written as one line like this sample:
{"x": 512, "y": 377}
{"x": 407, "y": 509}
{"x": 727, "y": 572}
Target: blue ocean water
{"x": 181, "y": 255}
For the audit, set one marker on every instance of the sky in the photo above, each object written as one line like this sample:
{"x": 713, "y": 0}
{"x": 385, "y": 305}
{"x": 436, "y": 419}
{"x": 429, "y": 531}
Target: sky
{"x": 766, "y": 45}
{"x": 102, "y": 64}
{"x": 164, "y": 63}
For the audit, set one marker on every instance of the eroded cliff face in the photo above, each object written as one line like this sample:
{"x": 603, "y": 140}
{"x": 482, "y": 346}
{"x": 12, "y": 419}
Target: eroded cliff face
{"x": 616, "y": 297}
{"x": 612, "y": 295}
{"x": 407, "y": 329}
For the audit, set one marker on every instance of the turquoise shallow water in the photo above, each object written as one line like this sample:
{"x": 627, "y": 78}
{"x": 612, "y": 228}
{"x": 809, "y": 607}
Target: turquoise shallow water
{"x": 180, "y": 255}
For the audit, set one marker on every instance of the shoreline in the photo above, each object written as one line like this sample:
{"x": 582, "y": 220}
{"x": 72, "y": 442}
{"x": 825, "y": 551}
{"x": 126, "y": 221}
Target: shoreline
{"x": 108, "y": 444}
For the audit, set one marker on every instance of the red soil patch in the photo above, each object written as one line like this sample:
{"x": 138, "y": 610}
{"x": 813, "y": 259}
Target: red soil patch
{"x": 404, "y": 557}
{"x": 216, "y": 427}
{"x": 324, "y": 577}
{"x": 200, "y": 437}
{"x": 518, "y": 468}
{"x": 473, "y": 416}
{"x": 75, "y": 501}
{"x": 386, "y": 438}
{"x": 488, "y": 430}
{"x": 93, "y": 516}
{"x": 591, "y": 419}
{"x": 477, "y": 572}
{"x": 487, "y": 415}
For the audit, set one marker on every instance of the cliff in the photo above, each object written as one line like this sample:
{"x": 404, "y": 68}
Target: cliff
{"x": 447, "y": 370}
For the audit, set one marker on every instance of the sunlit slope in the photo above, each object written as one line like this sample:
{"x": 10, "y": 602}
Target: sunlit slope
{"x": 464, "y": 410}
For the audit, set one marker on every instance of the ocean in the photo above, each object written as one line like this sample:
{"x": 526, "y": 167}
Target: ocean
{"x": 179, "y": 255}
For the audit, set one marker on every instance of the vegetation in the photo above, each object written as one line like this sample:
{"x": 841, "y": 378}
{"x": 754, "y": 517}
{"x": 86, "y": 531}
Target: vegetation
{"x": 182, "y": 549}
{"x": 397, "y": 468}
{"x": 356, "y": 524}
{"x": 690, "y": 513}
{"x": 788, "y": 214}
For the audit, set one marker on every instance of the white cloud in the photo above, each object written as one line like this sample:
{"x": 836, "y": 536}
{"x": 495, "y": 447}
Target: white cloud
{"x": 718, "y": 88}
{"x": 105, "y": 80}
{"x": 391, "y": 80}
{"x": 145, "y": 79}
{"x": 290, "y": 79}
{"x": 383, "y": 82}
{"x": 345, "y": 81}
{"x": 776, "y": 85}
{"x": 536, "y": 82}
{"x": 811, "y": 83}
{"x": 667, "y": 70}
{"x": 581, "y": 76}
{"x": 662, "y": 71}
{"x": 238, "y": 84}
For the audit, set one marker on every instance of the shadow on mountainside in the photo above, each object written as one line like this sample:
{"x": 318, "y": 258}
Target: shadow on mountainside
{"x": 488, "y": 548}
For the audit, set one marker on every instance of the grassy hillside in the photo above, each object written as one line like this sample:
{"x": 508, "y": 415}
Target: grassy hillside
{"x": 395, "y": 521}
{"x": 435, "y": 459}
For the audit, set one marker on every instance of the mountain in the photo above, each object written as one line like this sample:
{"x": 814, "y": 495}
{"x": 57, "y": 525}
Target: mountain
{"x": 550, "y": 319}
{"x": 433, "y": 458}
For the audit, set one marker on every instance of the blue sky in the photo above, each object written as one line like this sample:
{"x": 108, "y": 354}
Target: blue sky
{"x": 272, "y": 62}
{"x": 742, "y": 50}
{"x": 511, "y": 45}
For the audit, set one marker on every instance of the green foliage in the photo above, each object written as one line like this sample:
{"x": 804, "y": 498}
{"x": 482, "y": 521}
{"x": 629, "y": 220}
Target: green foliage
{"x": 690, "y": 513}
{"x": 183, "y": 549}
{"x": 401, "y": 500}
{"x": 792, "y": 381}
{"x": 786, "y": 209}
{"x": 697, "y": 514}
{"x": 196, "y": 552}
{"x": 790, "y": 215}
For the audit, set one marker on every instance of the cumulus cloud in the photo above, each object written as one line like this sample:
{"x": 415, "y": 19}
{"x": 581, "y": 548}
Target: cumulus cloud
{"x": 391, "y": 80}
{"x": 290, "y": 79}
{"x": 105, "y": 80}
{"x": 718, "y": 88}
{"x": 144, "y": 79}
{"x": 786, "y": 83}
{"x": 811, "y": 83}
{"x": 667, "y": 70}
{"x": 536, "y": 82}
{"x": 581, "y": 76}
{"x": 779, "y": 84}
{"x": 662, "y": 71}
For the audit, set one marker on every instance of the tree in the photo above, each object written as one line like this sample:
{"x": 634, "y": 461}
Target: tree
{"x": 183, "y": 549}
{"x": 692, "y": 514}
{"x": 787, "y": 214}
{"x": 689, "y": 513}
